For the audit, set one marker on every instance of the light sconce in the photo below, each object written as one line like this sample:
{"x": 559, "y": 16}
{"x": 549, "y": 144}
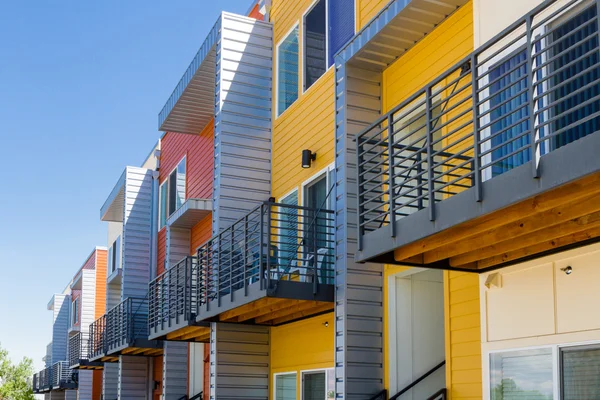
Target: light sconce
{"x": 307, "y": 158}
{"x": 567, "y": 270}
{"x": 493, "y": 280}
{"x": 326, "y": 324}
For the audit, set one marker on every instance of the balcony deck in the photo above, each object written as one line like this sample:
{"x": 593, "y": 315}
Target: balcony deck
{"x": 496, "y": 160}
{"x": 62, "y": 377}
{"x": 273, "y": 266}
{"x": 79, "y": 346}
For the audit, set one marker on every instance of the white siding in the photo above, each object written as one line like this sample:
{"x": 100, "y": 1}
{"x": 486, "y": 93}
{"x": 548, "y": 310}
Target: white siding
{"x": 242, "y": 118}
{"x": 178, "y": 245}
{"x": 196, "y": 370}
{"x": 133, "y": 377}
{"x": 175, "y": 370}
{"x": 136, "y": 233}
{"x": 88, "y": 298}
{"x": 60, "y": 327}
{"x": 110, "y": 381}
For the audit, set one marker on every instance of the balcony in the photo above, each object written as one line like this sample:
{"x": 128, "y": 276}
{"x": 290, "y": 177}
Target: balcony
{"x": 62, "y": 376}
{"x": 79, "y": 352}
{"x": 42, "y": 381}
{"x": 496, "y": 160}
{"x": 273, "y": 266}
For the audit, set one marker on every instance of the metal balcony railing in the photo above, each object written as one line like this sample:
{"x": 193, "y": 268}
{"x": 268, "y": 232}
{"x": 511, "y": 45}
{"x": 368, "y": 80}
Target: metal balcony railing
{"x": 35, "y": 383}
{"x": 61, "y": 376}
{"x": 126, "y": 322}
{"x": 78, "y": 348}
{"x": 533, "y": 88}
{"x": 173, "y": 294}
{"x": 97, "y": 338}
{"x": 44, "y": 379}
{"x": 271, "y": 243}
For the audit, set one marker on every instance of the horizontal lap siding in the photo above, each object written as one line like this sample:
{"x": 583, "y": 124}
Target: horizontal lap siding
{"x": 200, "y": 234}
{"x": 368, "y": 9}
{"x": 97, "y": 385}
{"x": 463, "y": 333}
{"x": 161, "y": 251}
{"x": 101, "y": 261}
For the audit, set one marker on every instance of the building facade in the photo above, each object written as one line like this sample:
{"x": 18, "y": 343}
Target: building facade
{"x": 365, "y": 199}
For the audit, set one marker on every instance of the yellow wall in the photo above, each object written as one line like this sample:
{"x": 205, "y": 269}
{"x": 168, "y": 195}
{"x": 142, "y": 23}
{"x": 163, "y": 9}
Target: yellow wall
{"x": 306, "y": 124}
{"x": 367, "y": 9}
{"x": 302, "y": 345}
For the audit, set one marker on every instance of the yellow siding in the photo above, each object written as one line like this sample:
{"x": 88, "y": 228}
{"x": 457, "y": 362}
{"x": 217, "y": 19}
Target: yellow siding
{"x": 302, "y": 345}
{"x": 367, "y": 9}
{"x": 308, "y": 123}
{"x": 463, "y": 335}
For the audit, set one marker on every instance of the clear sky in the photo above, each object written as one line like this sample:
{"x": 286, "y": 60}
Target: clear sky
{"x": 81, "y": 85}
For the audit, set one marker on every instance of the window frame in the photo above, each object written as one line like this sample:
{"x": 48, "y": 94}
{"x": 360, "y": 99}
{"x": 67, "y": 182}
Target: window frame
{"x": 327, "y": 66}
{"x": 315, "y": 371}
{"x": 168, "y": 192}
{"x": 278, "y": 112}
{"x": 75, "y": 311}
{"x": 556, "y": 363}
{"x": 275, "y": 375}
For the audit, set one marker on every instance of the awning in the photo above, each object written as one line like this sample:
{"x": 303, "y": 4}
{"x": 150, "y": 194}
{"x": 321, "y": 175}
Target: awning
{"x": 113, "y": 207}
{"x": 190, "y": 213}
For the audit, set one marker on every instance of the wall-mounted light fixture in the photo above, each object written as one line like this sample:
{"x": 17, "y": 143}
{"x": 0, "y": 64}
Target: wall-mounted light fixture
{"x": 567, "y": 270}
{"x": 493, "y": 280}
{"x": 307, "y": 158}
{"x": 326, "y": 324}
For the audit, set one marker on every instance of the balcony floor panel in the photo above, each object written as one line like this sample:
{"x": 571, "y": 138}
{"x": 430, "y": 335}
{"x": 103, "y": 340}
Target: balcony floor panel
{"x": 191, "y": 334}
{"x": 519, "y": 218}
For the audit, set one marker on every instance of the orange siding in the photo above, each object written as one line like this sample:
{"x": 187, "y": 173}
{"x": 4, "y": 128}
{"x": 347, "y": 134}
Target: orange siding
{"x": 206, "y": 371}
{"x": 101, "y": 261}
{"x": 158, "y": 377}
{"x": 161, "y": 251}
{"x": 201, "y": 232}
{"x": 96, "y": 385}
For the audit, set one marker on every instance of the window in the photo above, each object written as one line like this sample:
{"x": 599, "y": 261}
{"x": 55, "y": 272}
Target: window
{"x": 318, "y": 385}
{"x": 75, "y": 312}
{"x": 287, "y": 71}
{"x": 289, "y": 231}
{"x": 341, "y": 25}
{"x": 114, "y": 255}
{"x": 285, "y": 386}
{"x": 530, "y": 373}
{"x": 172, "y": 192}
{"x": 315, "y": 43}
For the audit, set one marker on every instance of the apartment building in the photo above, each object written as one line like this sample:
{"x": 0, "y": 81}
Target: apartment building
{"x": 68, "y": 375}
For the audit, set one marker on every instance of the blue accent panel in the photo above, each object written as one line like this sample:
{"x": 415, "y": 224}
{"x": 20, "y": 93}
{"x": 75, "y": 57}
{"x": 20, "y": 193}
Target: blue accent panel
{"x": 341, "y": 25}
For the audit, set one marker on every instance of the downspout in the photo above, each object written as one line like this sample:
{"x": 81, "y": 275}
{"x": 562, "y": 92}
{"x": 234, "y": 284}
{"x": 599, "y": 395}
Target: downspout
{"x": 154, "y": 212}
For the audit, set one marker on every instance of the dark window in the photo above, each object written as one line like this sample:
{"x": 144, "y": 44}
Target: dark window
{"x": 315, "y": 56}
{"x": 341, "y": 25}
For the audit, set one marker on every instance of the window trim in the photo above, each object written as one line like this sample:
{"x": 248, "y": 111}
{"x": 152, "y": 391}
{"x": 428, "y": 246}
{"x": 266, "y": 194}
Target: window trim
{"x": 315, "y": 370}
{"x": 327, "y": 66}
{"x": 556, "y": 363}
{"x": 277, "y": 46}
{"x": 166, "y": 182}
{"x": 276, "y": 374}
{"x": 75, "y": 312}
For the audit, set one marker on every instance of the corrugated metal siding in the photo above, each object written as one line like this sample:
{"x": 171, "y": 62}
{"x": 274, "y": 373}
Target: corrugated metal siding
{"x": 175, "y": 370}
{"x": 110, "y": 381}
{"x": 84, "y": 391}
{"x": 240, "y": 366}
{"x": 178, "y": 245}
{"x": 136, "y": 233}
{"x": 200, "y": 233}
{"x": 133, "y": 377}
{"x": 242, "y": 118}
{"x": 88, "y": 299}
{"x": 341, "y": 25}
{"x": 359, "y": 287}
{"x": 62, "y": 318}
{"x": 101, "y": 265}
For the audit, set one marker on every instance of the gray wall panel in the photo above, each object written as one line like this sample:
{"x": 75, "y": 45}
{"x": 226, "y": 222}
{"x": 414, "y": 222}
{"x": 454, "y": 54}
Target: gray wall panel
{"x": 133, "y": 377}
{"x": 110, "y": 381}
{"x": 239, "y": 363}
{"x": 178, "y": 245}
{"x": 359, "y": 288}
{"x": 72, "y": 395}
{"x": 60, "y": 327}
{"x": 84, "y": 391}
{"x": 175, "y": 370}
{"x": 242, "y": 118}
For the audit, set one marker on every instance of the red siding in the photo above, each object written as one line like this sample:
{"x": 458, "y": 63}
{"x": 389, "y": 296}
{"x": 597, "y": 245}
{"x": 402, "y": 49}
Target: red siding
{"x": 161, "y": 251}
{"x": 97, "y": 385}
{"x": 158, "y": 377}
{"x": 201, "y": 232}
{"x": 256, "y": 14}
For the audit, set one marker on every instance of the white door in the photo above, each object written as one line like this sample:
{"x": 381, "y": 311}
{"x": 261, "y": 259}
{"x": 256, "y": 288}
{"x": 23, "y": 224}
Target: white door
{"x": 419, "y": 342}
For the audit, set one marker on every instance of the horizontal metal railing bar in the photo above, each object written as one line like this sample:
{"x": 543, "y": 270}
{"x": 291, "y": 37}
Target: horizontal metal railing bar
{"x": 503, "y": 103}
{"x": 506, "y": 156}
{"x": 548, "y": 121}
{"x": 560, "y": 54}
{"x": 570, "y": 126}
{"x": 525, "y": 133}
{"x": 562, "y": 68}
{"x": 569, "y": 95}
{"x": 506, "y": 74}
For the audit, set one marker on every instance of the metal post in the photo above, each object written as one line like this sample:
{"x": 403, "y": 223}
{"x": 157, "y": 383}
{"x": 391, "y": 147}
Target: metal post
{"x": 231, "y": 261}
{"x": 429, "y": 154}
{"x": 268, "y": 209}
{"x": 186, "y": 290}
{"x": 392, "y": 206}
{"x": 360, "y": 197}
{"x": 315, "y": 283}
{"x": 245, "y": 266}
{"x": 219, "y": 269}
{"x": 476, "y": 137}
{"x": 530, "y": 89}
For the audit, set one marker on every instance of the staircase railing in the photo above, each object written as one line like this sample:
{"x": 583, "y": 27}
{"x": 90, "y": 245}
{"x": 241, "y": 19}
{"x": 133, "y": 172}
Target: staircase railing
{"x": 195, "y": 397}
{"x": 439, "y": 395}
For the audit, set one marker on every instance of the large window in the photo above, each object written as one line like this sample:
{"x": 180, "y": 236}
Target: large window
{"x": 568, "y": 373}
{"x": 287, "y": 71}
{"x": 172, "y": 192}
{"x": 285, "y": 386}
{"x": 315, "y": 43}
{"x": 318, "y": 385}
{"x": 288, "y": 227}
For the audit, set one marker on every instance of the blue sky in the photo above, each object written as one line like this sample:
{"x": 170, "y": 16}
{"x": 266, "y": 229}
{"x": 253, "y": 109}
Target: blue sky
{"x": 81, "y": 85}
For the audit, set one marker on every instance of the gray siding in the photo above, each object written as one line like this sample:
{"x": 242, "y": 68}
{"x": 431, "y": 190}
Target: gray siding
{"x": 60, "y": 327}
{"x": 178, "y": 245}
{"x": 56, "y": 396}
{"x": 239, "y": 363}
{"x": 133, "y": 377}
{"x": 110, "y": 381}
{"x": 136, "y": 233}
{"x": 359, "y": 287}
{"x": 72, "y": 395}
{"x": 175, "y": 370}
{"x": 48, "y": 355}
{"x": 242, "y": 118}
{"x": 85, "y": 385}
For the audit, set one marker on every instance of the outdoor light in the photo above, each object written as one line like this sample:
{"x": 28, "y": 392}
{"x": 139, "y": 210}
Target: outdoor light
{"x": 567, "y": 270}
{"x": 326, "y": 324}
{"x": 307, "y": 158}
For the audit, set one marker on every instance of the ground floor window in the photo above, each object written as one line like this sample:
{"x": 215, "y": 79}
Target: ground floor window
{"x": 285, "y": 386}
{"x": 567, "y": 372}
{"x": 313, "y": 385}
